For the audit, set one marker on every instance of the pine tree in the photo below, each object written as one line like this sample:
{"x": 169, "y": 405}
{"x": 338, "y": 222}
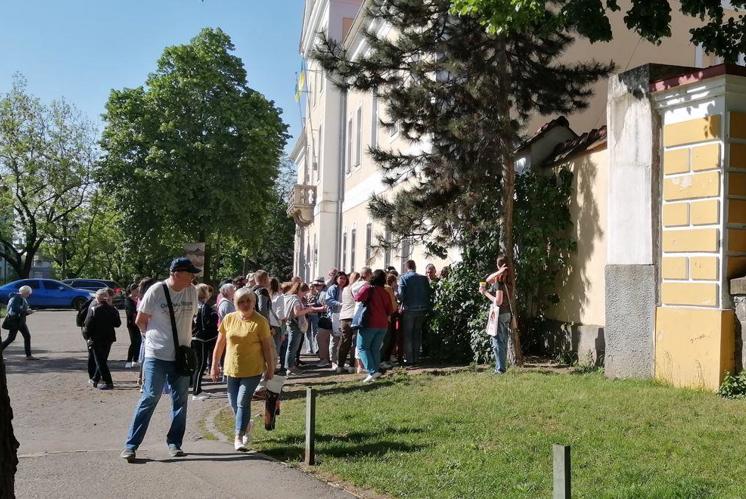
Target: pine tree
{"x": 465, "y": 93}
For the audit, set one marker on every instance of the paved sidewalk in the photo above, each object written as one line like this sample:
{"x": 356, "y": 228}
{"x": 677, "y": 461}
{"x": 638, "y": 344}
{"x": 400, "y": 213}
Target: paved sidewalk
{"x": 71, "y": 435}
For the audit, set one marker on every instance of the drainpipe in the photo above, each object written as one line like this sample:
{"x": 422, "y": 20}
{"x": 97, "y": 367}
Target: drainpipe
{"x": 341, "y": 183}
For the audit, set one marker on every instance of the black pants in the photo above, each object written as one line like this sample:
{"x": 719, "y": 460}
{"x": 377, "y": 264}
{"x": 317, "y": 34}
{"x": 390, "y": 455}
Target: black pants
{"x": 98, "y": 362}
{"x": 347, "y": 345}
{"x": 12, "y": 336}
{"x": 203, "y": 351}
{"x": 133, "y": 353}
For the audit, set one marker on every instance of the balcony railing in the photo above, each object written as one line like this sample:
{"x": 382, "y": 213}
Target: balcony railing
{"x": 301, "y": 204}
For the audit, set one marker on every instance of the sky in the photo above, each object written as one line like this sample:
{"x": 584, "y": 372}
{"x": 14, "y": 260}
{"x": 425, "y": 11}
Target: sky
{"x": 81, "y": 49}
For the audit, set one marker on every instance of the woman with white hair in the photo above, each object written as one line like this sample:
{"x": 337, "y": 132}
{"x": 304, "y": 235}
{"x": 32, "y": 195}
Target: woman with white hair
{"x": 249, "y": 351}
{"x": 15, "y": 320}
{"x": 98, "y": 329}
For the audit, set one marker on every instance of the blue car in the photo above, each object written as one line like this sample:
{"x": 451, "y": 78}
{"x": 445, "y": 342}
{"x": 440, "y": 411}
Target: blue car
{"x": 47, "y": 293}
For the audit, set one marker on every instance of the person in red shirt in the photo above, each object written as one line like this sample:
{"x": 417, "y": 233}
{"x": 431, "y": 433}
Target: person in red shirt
{"x": 370, "y": 337}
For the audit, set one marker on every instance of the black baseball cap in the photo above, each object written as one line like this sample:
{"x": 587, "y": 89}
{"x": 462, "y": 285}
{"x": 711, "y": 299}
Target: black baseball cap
{"x": 184, "y": 265}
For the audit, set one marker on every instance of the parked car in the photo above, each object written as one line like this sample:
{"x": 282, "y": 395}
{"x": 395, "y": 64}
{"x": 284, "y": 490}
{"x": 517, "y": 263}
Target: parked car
{"x": 96, "y": 284}
{"x": 47, "y": 293}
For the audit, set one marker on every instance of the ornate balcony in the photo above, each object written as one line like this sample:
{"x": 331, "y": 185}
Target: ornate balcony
{"x": 301, "y": 204}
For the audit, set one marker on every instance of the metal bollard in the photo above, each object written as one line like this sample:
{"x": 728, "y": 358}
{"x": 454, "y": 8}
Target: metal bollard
{"x": 310, "y": 459}
{"x": 562, "y": 472}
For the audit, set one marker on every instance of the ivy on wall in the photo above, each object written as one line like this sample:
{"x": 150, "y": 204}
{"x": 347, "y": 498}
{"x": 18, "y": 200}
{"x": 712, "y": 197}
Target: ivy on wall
{"x": 544, "y": 249}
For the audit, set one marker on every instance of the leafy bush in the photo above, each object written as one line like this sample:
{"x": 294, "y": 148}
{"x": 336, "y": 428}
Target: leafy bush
{"x": 542, "y": 218}
{"x": 733, "y": 386}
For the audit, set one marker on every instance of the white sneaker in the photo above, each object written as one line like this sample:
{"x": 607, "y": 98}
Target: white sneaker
{"x": 135, "y": 365}
{"x": 334, "y": 366}
{"x": 128, "y": 365}
{"x": 238, "y": 444}
{"x": 246, "y": 439}
{"x": 369, "y": 379}
{"x": 199, "y": 397}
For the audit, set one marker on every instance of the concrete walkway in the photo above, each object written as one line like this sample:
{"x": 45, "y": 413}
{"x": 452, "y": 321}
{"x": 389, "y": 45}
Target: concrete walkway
{"x": 71, "y": 434}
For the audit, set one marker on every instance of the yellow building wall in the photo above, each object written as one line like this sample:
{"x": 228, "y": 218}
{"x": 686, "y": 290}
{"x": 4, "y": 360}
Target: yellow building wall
{"x": 581, "y": 289}
{"x": 694, "y": 347}
{"x": 703, "y": 246}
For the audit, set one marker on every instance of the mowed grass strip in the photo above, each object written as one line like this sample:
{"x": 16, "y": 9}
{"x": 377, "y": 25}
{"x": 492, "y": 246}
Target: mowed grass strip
{"x": 480, "y": 435}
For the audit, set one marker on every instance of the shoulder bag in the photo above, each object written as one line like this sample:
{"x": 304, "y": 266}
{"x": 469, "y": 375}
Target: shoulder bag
{"x": 12, "y": 322}
{"x": 186, "y": 360}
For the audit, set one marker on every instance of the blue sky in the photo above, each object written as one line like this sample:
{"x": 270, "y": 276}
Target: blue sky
{"x": 81, "y": 49}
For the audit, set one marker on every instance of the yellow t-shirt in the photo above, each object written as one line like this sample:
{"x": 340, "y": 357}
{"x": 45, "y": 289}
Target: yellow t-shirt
{"x": 243, "y": 352}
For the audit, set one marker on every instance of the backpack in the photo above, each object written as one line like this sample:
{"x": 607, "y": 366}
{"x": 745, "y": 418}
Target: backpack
{"x": 263, "y": 302}
{"x": 83, "y": 312}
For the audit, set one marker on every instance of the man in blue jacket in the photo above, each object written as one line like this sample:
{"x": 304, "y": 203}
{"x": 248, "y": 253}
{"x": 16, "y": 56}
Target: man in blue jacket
{"x": 414, "y": 291}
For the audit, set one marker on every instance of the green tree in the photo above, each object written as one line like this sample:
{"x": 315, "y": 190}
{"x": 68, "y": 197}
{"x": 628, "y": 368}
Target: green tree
{"x": 720, "y": 33}
{"x": 47, "y": 159}
{"x": 192, "y": 155}
{"x": 466, "y": 93}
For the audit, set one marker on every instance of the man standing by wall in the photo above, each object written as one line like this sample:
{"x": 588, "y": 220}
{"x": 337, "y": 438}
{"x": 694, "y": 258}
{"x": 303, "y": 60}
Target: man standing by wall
{"x": 154, "y": 318}
{"x": 414, "y": 291}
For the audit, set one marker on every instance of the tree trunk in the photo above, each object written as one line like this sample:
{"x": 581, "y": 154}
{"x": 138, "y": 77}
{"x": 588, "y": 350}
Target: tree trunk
{"x": 8, "y": 442}
{"x": 515, "y": 354}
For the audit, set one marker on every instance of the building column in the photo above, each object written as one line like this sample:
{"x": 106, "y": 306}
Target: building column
{"x": 631, "y": 272}
{"x": 703, "y": 224}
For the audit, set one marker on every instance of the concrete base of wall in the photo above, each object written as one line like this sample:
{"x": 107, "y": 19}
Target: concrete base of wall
{"x": 630, "y": 321}
{"x": 564, "y": 340}
{"x": 739, "y": 301}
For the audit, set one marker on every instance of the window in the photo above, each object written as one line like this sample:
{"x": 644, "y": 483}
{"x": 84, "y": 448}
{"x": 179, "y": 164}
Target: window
{"x": 387, "y": 250}
{"x": 31, "y": 283}
{"x": 353, "y": 238}
{"x": 405, "y": 252}
{"x": 344, "y": 251}
{"x": 359, "y": 136}
{"x": 394, "y": 130}
{"x": 320, "y": 146}
{"x": 315, "y": 256}
{"x": 349, "y": 145}
{"x": 374, "y": 121}
{"x": 368, "y": 241}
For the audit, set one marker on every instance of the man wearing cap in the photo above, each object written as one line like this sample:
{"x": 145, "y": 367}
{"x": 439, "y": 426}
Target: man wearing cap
{"x": 159, "y": 367}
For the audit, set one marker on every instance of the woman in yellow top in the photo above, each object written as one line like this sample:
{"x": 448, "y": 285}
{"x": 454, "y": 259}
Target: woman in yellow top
{"x": 246, "y": 339}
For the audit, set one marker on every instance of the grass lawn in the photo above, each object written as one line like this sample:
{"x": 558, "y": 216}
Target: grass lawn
{"x": 478, "y": 435}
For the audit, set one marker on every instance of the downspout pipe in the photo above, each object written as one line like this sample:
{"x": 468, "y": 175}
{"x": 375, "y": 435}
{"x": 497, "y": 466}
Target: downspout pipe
{"x": 341, "y": 172}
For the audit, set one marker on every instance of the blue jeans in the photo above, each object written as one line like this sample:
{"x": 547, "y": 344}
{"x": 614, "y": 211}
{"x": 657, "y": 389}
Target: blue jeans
{"x": 294, "y": 337}
{"x": 240, "y": 391}
{"x": 313, "y": 330}
{"x": 500, "y": 342}
{"x": 369, "y": 342}
{"x": 155, "y": 374}
{"x": 411, "y": 331}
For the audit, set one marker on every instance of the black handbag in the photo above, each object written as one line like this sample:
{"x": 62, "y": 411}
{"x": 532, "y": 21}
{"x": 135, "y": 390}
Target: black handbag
{"x": 11, "y": 322}
{"x": 186, "y": 360}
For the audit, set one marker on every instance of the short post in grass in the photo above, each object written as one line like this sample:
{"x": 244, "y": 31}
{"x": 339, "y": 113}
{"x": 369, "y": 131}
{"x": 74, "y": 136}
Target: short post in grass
{"x": 310, "y": 426}
{"x": 562, "y": 471}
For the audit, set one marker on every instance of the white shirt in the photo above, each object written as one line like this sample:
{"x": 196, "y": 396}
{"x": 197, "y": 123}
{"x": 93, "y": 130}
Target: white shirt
{"x": 278, "y": 310}
{"x": 159, "y": 342}
{"x": 348, "y": 303}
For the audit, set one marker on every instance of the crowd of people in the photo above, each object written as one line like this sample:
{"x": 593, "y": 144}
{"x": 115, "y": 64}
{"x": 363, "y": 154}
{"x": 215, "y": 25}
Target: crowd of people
{"x": 363, "y": 322}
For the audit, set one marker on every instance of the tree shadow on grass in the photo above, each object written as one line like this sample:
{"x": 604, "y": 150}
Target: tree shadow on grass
{"x": 343, "y": 450}
{"x": 348, "y": 445}
{"x": 334, "y": 388}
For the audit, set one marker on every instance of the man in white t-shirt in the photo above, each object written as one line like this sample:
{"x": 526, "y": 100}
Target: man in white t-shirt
{"x": 159, "y": 367}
